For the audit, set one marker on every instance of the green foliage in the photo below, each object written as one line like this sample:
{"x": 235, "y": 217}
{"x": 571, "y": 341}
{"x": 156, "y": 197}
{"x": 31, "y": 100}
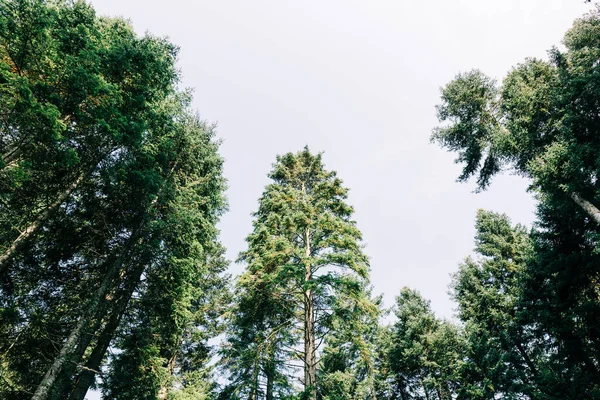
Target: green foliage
{"x": 530, "y": 319}
{"x": 110, "y": 190}
{"x": 422, "y": 355}
{"x": 306, "y": 278}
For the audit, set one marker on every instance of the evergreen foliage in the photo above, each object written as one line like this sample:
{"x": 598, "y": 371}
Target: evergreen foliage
{"x": 110, "y": 191}
{"x": 112, "y": 275}
{"x": 306, "y": 281}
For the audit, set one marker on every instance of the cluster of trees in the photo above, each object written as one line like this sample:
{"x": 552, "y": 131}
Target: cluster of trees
{"x": 110, "y": 189}
{"x": 112, "y": 275}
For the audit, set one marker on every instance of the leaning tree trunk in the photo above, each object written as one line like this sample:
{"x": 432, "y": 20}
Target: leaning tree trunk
{"x": 310, "y": 364}
{"x": 36, "y": 224}
{"x": 70, "y": 345}
{"x": 590, "y": 209}
{"x": 43, "y": 389}
{"x": 88, "y": 374}
{"x": 65, "y": 378}
{"x": 97, "y": 301}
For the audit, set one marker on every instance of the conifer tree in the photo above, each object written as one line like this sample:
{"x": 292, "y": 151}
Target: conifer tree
{"x": 110, "y": 190}
{"x": 422, "y": 356}
{"x": 503, "y": 358}
{"x": 543, "y": 123}
{"x": 305, "y": 256}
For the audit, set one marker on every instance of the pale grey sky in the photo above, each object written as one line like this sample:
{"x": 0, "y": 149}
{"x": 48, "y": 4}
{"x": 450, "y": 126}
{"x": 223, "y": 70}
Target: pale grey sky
{"x": 358, "y": 80}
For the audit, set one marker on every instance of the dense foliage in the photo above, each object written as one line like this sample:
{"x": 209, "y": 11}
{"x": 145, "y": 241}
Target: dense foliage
{"x": 110, "y": 190}
{"x": 112, "y": 275}
{"x": 306, "y": 283}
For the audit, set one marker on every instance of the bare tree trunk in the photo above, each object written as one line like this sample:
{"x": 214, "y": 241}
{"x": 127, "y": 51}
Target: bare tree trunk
{"x": 270, "y": 374}
{"x": 310, "y": 364}
{"x": 98, "y": 300}
{"x": 591, "y": 210}
{"x": 35, "y": 225}
{"x": 70, "y": 345}
{"x": 88, "y": 374}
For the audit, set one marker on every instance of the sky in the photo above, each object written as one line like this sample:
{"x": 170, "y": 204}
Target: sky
{"x": 359, "y": 81}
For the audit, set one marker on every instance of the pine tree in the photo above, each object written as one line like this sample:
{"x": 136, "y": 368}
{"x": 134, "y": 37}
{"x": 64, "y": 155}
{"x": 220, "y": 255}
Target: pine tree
{"x": 304, "y": 256}
{"x": 543, "y": 123}
{"x": 503, "y": 358}
{"x": 422, "y": 355}
{"x": 110, "y": 187}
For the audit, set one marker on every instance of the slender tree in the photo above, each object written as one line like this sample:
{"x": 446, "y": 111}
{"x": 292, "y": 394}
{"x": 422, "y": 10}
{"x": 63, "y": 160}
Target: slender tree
{"x": 422, "y": 355}
{"x": 306, "y": 248}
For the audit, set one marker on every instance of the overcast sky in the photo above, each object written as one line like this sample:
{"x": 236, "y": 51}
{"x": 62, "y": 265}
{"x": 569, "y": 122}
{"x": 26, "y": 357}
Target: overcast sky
{"x": 357, "y": 80}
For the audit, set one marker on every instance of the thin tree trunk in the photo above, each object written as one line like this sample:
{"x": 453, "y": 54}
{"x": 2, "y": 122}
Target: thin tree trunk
{"x": 423, "y": 385}
{"x": 88, "y": 374}
{"x": 12, "y": 154}
{"x": 70, "y": 345}
{"x": 270, "y": 374}
{"x": 35, "y": 225}
{"x": 86, "y": 338}
{"x": 591, "y": 210}
{"x": 254, "y": 392}
{"x": 310, "y": 364}
{"x": 43, "y": 389}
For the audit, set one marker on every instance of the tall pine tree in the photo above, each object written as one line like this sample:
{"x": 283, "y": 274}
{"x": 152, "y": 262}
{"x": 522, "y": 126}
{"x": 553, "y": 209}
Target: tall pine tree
{"x": 305, "y": 260}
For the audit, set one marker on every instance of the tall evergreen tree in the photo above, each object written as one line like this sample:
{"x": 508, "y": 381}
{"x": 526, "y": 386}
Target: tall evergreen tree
{"x": 422, "y": 356}
{"x": 503, "y": 358}
{"x": 110, "y": 191}
{"x": 543, "y": 123}
{"x": 304, "y": 255}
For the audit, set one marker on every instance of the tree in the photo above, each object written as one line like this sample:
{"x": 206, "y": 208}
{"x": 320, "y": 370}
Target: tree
{"x": 110, "y": 189}
{"x": 503, "y": 359}
{"x": 422, "y": 355}
{"x": 304, "y": 255}
{"x": 348, "y": 368}
{"x": 543, "y": 123}
{"x": 77, "y": 90}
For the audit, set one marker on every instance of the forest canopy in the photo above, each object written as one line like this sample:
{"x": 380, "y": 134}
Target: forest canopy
{"x": 113, "y": 277}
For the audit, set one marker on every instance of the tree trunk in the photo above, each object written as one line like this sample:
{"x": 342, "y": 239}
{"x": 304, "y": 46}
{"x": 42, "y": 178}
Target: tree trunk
{"x": 43, "y": 389}
{"x": 98, "y": 300}
{"x": 423, "y": 385}
{"x": 70, "y": 345}
{"x": 591, "y": 210}
{"x": 88, "y": 374}
{"x": 270, "y": 374}
{"x": 69, "y": 370}
{"x": 254, "y": 392}
{"x": 270, "y": 385}
{"x": 310, "y": 364}
{"x": 35, "y": 225}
